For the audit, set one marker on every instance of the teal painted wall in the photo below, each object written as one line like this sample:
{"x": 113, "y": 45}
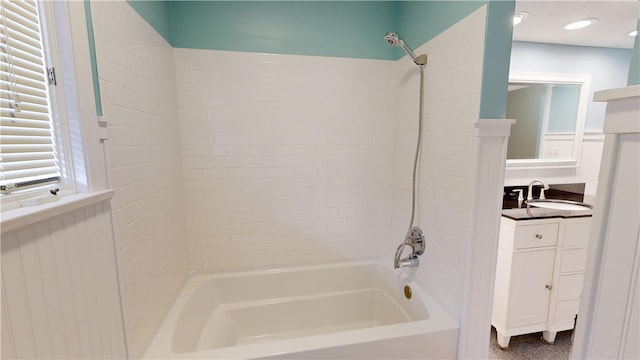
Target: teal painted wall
{"x": 634, "y": 69}
{"x": 352, "y": 29}
{"x": 92, "y": 57}
{"x": 157, "y": 13}
{"x": 420, "y": 21}
{"x": 608, "y": 68}
{"x": 326, "y": 28}
{"x": 497, "y": 56}
{"x": 563, "y": 109}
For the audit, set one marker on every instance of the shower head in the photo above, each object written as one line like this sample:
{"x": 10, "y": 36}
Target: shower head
{"x": 393, "y": 39}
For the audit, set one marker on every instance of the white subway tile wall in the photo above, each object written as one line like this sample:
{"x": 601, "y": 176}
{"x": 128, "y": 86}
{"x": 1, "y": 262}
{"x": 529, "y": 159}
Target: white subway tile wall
{"x": 139, "y": 99}
{"x": 286, "y": 159}
{"x": 453, "y": 79}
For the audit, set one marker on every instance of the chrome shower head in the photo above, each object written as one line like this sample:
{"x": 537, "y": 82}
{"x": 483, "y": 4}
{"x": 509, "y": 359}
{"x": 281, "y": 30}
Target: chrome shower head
{"x": 393, "y": 39}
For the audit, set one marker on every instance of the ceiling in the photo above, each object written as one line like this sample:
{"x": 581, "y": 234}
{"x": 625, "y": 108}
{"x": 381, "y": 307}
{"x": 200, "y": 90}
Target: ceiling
{"x": 547, "y": 19}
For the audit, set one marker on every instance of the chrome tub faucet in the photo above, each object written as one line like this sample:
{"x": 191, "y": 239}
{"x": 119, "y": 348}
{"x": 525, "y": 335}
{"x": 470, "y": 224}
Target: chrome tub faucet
{"x": 416, "y": 240}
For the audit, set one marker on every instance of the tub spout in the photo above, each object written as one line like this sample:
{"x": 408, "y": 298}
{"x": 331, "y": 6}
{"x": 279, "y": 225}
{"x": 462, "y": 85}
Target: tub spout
{"x": 409, "y": 261}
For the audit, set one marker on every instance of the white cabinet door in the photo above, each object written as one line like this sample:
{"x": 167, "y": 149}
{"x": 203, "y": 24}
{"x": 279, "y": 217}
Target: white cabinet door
{"x": 531, "y": 277}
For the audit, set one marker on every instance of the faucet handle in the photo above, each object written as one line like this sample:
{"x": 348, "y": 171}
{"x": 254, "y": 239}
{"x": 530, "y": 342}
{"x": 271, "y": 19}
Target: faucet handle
{"x": 519, "y": 192}
{"x": 416, "y": 240}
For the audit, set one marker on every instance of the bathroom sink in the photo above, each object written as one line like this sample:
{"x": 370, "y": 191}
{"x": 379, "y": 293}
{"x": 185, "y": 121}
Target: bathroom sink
{"x": 559, "y": 204}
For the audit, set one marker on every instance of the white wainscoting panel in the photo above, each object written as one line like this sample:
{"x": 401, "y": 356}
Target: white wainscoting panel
{"x": 60, "y": 297}
{"x": 491, "y": 153}
{"x": 608, "y": 325}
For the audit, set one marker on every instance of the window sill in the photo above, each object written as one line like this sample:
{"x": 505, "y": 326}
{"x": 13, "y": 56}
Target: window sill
{"x": 15, "y": 219}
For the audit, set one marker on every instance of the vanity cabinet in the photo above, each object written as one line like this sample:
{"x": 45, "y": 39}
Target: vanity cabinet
{"x": 539, "y": 276}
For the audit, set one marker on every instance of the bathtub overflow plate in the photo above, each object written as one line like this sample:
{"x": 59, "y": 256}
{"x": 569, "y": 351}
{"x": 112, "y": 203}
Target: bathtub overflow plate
{"x": 407, "y": 291}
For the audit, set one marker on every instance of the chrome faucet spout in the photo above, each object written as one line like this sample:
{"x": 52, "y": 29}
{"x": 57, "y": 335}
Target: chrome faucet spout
{"x": 409, "y": 261}
{"x": 396, "y": 258}
{"x": 545, "y": 186}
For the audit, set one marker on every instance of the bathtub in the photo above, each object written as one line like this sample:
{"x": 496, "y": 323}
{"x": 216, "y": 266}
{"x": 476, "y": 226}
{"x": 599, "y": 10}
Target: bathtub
{"x": 348, "y": 310}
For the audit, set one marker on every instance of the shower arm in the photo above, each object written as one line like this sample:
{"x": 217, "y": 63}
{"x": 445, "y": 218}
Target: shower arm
{"x": 393, "y": 39}
{"x": 419, "y": 60}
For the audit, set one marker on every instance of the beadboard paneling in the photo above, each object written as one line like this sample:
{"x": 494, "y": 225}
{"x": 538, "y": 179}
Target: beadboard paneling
{"x": 59, "y": 289}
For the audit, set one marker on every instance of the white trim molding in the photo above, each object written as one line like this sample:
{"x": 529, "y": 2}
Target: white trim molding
{"x": 584, "y": 80}
{"x": 608, "y": 315}
{"x": 25, "y": 216}
{"x": 622, "y": 109}
{"x": 490, "y": 156}
{"x": 493, "y": 127}
{"x": 593, "y": 136}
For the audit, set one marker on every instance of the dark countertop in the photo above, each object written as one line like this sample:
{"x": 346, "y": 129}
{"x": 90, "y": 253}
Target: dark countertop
{"x": 540, "y": 213}
{"x": 574, "y": 192}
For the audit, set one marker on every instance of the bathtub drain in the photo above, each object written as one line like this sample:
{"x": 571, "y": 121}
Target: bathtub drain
{"x": 407, "y": 291}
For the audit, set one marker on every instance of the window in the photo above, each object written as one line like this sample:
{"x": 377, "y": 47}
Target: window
{"x": 30, "y": 154}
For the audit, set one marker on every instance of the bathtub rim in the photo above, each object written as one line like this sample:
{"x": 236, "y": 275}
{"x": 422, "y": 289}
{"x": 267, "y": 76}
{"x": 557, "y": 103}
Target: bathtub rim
{"x": 160, "y": 346}
{"x": 215, "y": 274}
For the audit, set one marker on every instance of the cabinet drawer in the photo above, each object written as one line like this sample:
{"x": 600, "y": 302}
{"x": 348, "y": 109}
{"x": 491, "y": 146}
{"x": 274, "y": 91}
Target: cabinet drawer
{"x": 576, "y": 232}
{"x": 573, "y": 260}
{"x": 531, "y": 236}
{"x": 566, "y": 310}
{"x": 569, "y": 286}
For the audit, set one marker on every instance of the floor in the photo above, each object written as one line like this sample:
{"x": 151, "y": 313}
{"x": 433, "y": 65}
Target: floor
{"x": 531, "y": 347}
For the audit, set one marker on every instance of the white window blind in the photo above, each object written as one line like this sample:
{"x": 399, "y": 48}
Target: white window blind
{"x": 28, "y": 153}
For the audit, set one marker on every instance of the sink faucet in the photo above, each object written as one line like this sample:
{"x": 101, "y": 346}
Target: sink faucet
{"x": 544, "y": 187}
{"x": 416, "y": 240}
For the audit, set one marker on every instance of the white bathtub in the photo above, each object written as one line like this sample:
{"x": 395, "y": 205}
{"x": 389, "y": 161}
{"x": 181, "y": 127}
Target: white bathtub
{"x": 354, "y": 310}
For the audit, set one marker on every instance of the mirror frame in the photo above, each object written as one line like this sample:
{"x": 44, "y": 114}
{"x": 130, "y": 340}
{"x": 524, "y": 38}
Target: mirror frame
{"x": 545, "y": 78}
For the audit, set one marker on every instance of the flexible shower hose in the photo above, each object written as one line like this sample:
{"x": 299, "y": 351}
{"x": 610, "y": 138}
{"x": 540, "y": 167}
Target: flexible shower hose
{"x": 418, "y": 148}
{"x": 415, "y": 167}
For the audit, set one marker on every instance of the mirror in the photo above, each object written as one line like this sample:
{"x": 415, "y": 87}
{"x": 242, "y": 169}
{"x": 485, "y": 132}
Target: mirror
{"x": 550, "y": 111}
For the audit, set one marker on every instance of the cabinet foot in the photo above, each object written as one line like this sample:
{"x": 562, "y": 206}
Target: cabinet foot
{"x": 503, "y": 341}
{"x": 549, "y": 337}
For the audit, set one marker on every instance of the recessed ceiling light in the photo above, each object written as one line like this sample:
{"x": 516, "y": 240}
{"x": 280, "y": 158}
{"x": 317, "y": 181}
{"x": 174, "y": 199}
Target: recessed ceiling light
{"x": 519, "y": 16}
{"x": 633, "y": 33}
{"x": 580, "y": 24}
